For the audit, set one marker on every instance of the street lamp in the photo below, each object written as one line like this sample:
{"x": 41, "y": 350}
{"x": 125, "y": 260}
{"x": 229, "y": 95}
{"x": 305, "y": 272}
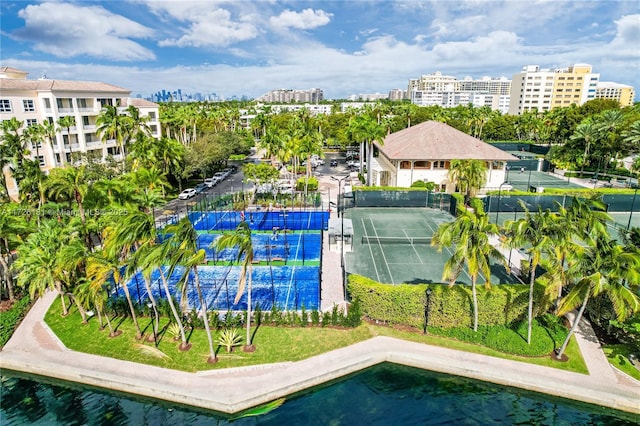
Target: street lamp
{"x": 340, "y": 180}
{"x": 499, "y": 195}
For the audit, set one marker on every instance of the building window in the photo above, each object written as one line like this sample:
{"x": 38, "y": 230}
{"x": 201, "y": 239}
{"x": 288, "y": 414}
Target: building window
{"x": 31, "y": 122}
{"x": 440, "y": 164}
{"x": 422, "y": 165}
{"x": 152, "y": 116}
{"x": 28, "y": 106}
{"x": 405, "y": 165}
{"x": 5, "y": 105}
{"x": 41, "y": 160}
{"x": 85, "y": 120}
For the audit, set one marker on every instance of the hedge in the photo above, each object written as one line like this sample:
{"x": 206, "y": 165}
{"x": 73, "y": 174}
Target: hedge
{"x": 448, "y": 306}
{"x": 10, "y": 319}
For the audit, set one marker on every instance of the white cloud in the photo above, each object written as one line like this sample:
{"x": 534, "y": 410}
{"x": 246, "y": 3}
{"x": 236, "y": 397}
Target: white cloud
{"x": 213, "y": 28}
{"x": 307, "y": 19}
{"x": 68, "y": 30}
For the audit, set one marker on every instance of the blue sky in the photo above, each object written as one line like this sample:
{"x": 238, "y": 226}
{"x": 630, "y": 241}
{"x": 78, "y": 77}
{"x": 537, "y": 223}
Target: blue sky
{"x": 342, "y": 47}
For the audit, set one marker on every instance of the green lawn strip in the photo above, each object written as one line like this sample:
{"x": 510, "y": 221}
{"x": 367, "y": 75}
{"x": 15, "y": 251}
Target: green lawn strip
{"x": 618, "y": 356}
{"x": 274, "y": 344}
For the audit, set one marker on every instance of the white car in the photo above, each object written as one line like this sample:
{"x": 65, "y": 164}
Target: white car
{"x": 210, "y": 182}
{"x": 353, "y": 164}
{"x": 187, "y": 193}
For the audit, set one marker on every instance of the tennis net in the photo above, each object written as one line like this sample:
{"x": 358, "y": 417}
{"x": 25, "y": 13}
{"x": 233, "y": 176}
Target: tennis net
{"x": 366, "y": 239}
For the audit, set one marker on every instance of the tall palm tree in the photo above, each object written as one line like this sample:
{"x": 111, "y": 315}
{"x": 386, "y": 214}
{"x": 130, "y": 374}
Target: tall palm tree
{"x": 100, "y": 268}
{"x": 606, "y": 268}
{"x": 365, "y": 129}
{"x": 67, "y": 122}
{"x": 469, "y": 234}
{"x": 585, "y": 132}
{"x": 241, "y": 239}
{"x": 113, "y": 126}
{"x": 184, "y": 240}
{"x": 468, "y": 175}
{"x": 70, "y": 183}
{"x": 531, "y": 231}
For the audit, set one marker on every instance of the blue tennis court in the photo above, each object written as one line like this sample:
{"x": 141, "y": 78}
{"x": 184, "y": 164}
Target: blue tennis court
{"x": 299, "y": 246}
{"x": 288, "y": 287}
{"x": 259, "y": 220}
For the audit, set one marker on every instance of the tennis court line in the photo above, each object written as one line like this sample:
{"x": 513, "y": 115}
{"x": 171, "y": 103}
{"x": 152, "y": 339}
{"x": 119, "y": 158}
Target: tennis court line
{"x": 219, "y": 220}
{"x": 375, "y": 267}
{"x": 382, "y": 250}
{"x": 413, "y": 247}
{"x": 446, "y": 248}
{"x": 293, "y": 270}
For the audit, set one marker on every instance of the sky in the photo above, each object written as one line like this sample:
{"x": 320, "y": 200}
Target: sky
{"x": 342, "y": 47}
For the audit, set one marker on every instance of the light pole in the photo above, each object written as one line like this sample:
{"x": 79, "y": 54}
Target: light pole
{"x": 340, "y": 180}
{"x": 633, "y": 202}
{"x": 499, "y": 195}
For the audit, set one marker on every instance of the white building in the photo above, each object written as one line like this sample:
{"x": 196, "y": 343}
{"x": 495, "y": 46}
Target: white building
{"x": 292, "y": 95}
{"x": 537, "y": 89}
{"x": 622, "y": 93}
{"x": 37, "y": 101}
{"x": 424, "y": 153}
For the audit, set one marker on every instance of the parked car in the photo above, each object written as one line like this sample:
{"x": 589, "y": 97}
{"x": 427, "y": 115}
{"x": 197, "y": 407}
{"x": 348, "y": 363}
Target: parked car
{"x": 187, "y": 193}
{"x": 334, "y": 163}
{"x": 200, "y": 187}
{"x": 353, "y": 164}
{"x": 210, "y": 182}
{"x": 219, "y": 177}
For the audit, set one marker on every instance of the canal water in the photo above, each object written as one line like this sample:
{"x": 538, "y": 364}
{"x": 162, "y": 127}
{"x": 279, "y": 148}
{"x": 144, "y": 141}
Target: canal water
{"x": 386, "y": 394}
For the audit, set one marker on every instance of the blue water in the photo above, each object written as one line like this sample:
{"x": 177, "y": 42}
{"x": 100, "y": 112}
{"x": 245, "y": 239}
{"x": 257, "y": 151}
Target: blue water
{"x": 259, "y": 221}
{"x": 383, "y": 395}
{"x": 288, "y": 287}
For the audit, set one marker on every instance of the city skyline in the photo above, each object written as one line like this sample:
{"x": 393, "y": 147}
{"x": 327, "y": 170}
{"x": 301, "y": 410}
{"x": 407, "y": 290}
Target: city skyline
{"x": 252, "y": 47}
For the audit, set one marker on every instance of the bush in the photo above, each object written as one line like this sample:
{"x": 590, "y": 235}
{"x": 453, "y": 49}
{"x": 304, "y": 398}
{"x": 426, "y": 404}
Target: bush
{"x": 10, "y": 319}
{"x": 312, "y": 185}
{"x": 448, "y": 307}
{"x": 315, "y": 317}
{"x": 354, "y": 314}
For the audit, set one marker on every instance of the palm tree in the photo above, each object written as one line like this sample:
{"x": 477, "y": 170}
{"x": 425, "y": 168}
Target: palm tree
{"x": 366, "y": 129}
{"x": 531, "y": 231}
{"x": 241, "y": 239}
{"x": 468, "y": 175}
{"x": 70, "y": 183}
{"x": 36, "y": 263}
{"x": 469, "y": 233}
{"x": 67, "y": 122}
{"x": 100, "y": 267}
{"x": 184, "y": 241}
{"x": 587, "y": 133}
{"x": 12, "y": 229}
{"x": 606, "y": 268}
{"x": 113, "y": 126}
{"x": 157, "y": 257}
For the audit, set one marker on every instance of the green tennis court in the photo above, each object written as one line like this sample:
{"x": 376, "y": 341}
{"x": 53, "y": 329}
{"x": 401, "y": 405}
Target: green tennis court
{"x": 523, "y": 180}
{"x": 392, "y": 246}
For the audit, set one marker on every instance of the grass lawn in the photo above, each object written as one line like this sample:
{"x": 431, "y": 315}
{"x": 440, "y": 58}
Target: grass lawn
{"x": 274, "y": 344}
{"x": 618, "y": 356}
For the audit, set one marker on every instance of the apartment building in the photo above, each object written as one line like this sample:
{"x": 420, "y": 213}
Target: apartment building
{"x": 449, "y": 92}
{"x": 291, "y": 95}
{"x": 622, "y": 93}
{"x": 537, "y": 89}
{"x": 37, "y": 101}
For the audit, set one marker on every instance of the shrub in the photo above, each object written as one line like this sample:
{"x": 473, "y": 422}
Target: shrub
{"x": 448, "y": 306}
{"x": 304, "y": 317}
{"x": 315, "y": 317}
{"x": 229, "y": 337}
{"x": 10, "y": 319}
{"x": 354, "y": 315}
{"x": 326, "y": 319}
{"x": 312, "y": 184}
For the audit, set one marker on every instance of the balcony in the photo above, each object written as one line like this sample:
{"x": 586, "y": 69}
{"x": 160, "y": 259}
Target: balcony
{"x": 65, "y": 110}
{"x": 89, "y": 126}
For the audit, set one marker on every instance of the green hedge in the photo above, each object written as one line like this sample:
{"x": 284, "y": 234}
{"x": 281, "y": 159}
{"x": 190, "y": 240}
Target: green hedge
{"x": 10, "y": 319}
{"x": 449, "y": 306}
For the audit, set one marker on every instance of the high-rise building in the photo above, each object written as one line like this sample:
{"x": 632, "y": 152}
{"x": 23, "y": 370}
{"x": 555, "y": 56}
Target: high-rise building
{"x": 537, "y": 89}
{"x": 622, "y": 93}
{"x": 36, "y": 101}
{"x": 292, "y": 95}
{"x": 448, "y": 92}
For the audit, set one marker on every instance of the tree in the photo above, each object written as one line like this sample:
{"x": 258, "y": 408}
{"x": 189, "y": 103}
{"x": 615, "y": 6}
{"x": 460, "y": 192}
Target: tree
{"x": 113, "y": 126}
{"x": 469, "y": 234}
{"x": 70, "y": 184}
{"x": 184, "y": 242}
{"x": 102, "y": 266}
{"x": 365, "y": 129}
{"x": 241, "y": 239}
{"x": 606, "y": 268}
{"x": 468, "y": 175}
{"x": 66, "y": 122}
{"x": 587, "y": 133}
{"x": 532, "y": 232}
{"x": 12, "y": 230}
